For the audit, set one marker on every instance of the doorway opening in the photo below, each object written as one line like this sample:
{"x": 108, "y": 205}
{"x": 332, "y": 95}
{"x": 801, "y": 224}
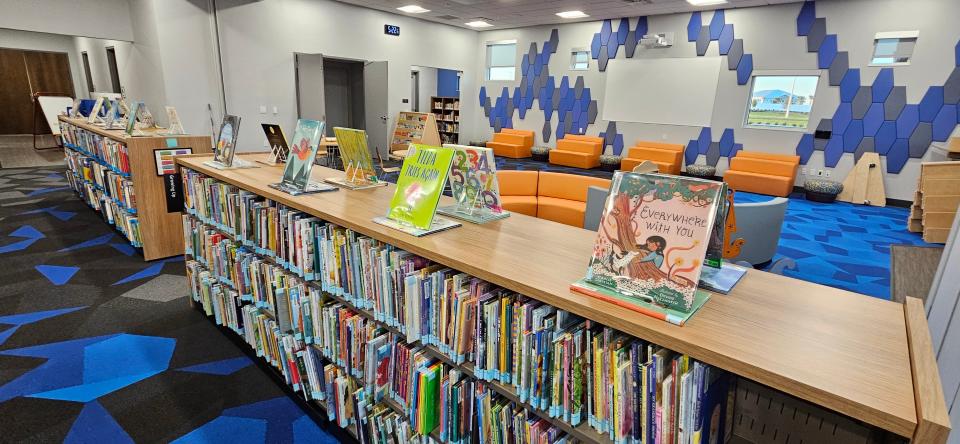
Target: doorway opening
{"x": 437, "y": 91}
{"x": 344, "y": 91}
{"x": 114, "y": 72}
{"x": 86, "y": 71}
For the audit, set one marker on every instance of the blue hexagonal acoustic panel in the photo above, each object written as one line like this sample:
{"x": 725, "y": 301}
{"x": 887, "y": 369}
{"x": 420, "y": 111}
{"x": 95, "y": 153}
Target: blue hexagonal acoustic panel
{"x": 876, "y": 117}
{"x": 718, "y": 30}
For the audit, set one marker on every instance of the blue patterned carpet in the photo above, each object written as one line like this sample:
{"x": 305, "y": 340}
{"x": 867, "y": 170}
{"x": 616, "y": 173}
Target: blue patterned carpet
{"x": 840, "y": 244}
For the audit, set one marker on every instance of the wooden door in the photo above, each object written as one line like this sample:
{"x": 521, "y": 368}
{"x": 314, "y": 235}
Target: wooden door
{"x": 48, "y": 72}
{"x": 16, "y": 104}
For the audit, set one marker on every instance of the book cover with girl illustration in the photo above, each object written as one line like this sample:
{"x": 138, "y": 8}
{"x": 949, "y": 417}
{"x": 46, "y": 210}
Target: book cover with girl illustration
{"x": 651, "y": 244}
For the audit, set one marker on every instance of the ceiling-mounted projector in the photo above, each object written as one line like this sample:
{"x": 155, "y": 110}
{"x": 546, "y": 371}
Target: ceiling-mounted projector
{"x": 661, "y": 40}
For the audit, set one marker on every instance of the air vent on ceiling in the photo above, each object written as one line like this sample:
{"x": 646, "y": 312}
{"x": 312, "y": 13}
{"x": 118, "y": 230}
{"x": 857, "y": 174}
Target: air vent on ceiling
{"x": 447, "y": 17}
{"x": 639, "y": 2}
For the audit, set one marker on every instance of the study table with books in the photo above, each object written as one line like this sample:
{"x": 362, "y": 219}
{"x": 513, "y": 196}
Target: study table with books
{"x": 861, "y": 357}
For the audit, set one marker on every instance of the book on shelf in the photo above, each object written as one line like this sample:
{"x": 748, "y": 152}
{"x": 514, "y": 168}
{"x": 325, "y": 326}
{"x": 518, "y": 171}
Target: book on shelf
{"x": 419, "y": 187}
{"x": 397, "y": 346}
{"x": 473, "y": 183}
{"x": 303, "y": 150}
{"x": 279, "y": 150}
{"x": 359, "y": 172}
{"x": 651, "y": 244}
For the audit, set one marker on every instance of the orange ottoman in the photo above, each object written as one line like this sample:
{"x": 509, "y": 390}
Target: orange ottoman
{"x": 772, "y": 174}
{"x": 577, "y": 151}
{"x": 512, "y": 143}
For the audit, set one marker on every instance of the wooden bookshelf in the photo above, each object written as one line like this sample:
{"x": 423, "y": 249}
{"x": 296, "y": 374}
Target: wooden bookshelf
{"x": 411, "y": 127}
{"x": 447, "y": 112}
{"x": 844, "y": 352}
{"x": 161, "y": 232}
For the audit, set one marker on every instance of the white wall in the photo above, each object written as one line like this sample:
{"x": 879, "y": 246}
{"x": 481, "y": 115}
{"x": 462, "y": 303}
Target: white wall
{"x": 107, "y": 19}
{"x": 428, "y": 87}
{"x": 259, "y": 38}
{"x": 769, "y": 33}
{"x": 39, "y": 41}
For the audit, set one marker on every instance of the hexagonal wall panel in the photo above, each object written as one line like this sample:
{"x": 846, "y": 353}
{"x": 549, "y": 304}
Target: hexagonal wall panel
{"x": 866, "y": 146}
{"x": 693, "y": 26}
{"x": 716, "y": 24}
{"x": 931, "y": 103}
{"x": 703, "y": 41}
{"x": 546, "y": 131}
{"x": 805, "y": 148}
{"x": 745, "y": 69}
{"x": 944, "y": 123}
{"x": 882, "y": 85}
{"x": 850, "y": 85}
{"x": 726, "y": 39}
{"x": 806, "y": 18}
{"x": 833, "y": 152}
{"x": 908, "y": 120}
{"x": 898, "y": 155}
{"x": 951, "y": 89}
{"x": 895, "y": 103}
{"x": 920, "y": 140}
{"x": 885, "y": 137}
{"x": 839, "y": 67}
{"x": 873, "y": 119}
{"x": 827, "y": 52}
{"x": 818, "y": 31}
{"x": 852, "y": 136}
{"x": 862, "y": 102}
{"x": 735, "y": 54}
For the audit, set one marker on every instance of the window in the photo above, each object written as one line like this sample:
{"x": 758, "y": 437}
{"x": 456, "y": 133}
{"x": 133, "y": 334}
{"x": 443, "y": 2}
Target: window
{"x": 893, "y": 48}
{"x": 501, "y": 60}
{"x": 781, "y": 101}
{"x": 579, "y": 60}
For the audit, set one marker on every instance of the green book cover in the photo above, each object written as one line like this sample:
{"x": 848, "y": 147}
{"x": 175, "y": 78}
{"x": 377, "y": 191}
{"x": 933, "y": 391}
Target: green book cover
{"x": 421, "y": 181}
{"x": 430, "y": 401}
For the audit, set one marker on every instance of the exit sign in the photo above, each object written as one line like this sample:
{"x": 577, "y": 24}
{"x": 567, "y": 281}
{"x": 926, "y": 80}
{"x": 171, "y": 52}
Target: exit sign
{"x": 391, "y": 30}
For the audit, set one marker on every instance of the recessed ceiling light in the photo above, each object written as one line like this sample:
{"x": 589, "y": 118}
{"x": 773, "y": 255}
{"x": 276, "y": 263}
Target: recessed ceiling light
{"x": 478, "y": 24}
{"x": 572, "y": 14}
{"x": 706, "y": 2}
{"x": 413, "y": 9}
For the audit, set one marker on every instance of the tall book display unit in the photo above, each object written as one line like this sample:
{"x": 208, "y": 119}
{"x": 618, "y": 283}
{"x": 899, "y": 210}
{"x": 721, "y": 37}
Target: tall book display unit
{"x": 411, "y": 127}
{"x": 119, "y": 176}
{"x": 447, "y": 112}
{"x": 474, "y": 333}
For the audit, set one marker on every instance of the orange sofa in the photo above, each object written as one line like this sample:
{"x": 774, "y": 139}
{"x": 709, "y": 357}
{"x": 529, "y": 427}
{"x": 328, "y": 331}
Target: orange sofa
{"x": 763, "y": 173}
{"x": 667, "y": 156}
{"x": 553, "y": 196}
{"x": 577, "y": 151}
{"x": 512, "y": 143}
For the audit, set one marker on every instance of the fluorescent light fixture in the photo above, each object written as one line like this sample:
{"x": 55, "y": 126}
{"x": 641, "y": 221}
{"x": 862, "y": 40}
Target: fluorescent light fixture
{"x": 572, "y": 14}
{"x": 478, "y": 24}
{"x": 706, "y": 2}
{"x": 413, "y": 9}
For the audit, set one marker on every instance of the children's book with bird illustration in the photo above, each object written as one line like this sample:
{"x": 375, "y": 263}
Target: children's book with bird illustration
{"x": 473, "y": 183}
{"x": 357, "y": 162}
{"x": 303, "y": 152}
{"x": 651, "y": 244}
{"x": 414, "y": 204}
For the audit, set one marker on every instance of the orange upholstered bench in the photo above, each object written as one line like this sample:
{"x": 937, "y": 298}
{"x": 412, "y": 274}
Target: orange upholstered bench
{"x": 553, "y": 196}
{"x": 512, "y": 143}
{"x": 667, "y": 156}
{"x": 518, "y": 191}
{"x": 763, "y": 173}
{"x": 577, "y": 151}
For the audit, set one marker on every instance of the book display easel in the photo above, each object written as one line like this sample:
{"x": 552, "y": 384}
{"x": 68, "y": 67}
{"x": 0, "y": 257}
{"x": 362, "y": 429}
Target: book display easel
{"x": 123, "y": 178}
{"x": 447, "y": 112}
{"x": 475, "y": 331}
{"x": 411, "y": 127}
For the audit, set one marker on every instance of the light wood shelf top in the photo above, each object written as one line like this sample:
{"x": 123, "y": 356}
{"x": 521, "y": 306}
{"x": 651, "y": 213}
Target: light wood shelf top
{"x": 840, "y": 350}
{"x": 117, "y": 134}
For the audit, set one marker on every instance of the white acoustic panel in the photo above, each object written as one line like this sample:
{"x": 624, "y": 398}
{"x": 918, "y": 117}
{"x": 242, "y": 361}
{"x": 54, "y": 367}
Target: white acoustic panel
{"x": 670, "y": 91}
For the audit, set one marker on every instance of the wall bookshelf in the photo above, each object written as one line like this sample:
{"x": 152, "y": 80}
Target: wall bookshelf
{"x": 845, "y": 354}
{"x": 411, "y": 127}
{"x": 447, "y": 112}
{"x": 117, "y": 176}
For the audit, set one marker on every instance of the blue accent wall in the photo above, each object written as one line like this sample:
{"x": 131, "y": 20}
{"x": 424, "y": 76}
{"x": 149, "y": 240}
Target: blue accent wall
{"x": 447, "y": 83}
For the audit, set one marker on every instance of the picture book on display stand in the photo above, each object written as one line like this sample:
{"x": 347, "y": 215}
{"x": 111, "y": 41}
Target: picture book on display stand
{"x": 224, "y": 153}
{"x": 303, "y": 151}
{"x": 473, "y": 182}
{"x": 414, "y": 205}
{"x": 131, "y": 128}
{"x": 279, "y": 150}
{"x": 357, "y": 162}
{"x": 95, "y": 112}
{"x": 651, "y": 245}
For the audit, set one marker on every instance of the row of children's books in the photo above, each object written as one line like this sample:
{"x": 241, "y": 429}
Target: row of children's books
{"x": 104, "y": 149}
{"x": 105, "y": 191}
{"x": 383, "y": 317}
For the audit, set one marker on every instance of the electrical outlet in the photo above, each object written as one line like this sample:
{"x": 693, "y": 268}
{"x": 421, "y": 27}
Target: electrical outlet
{"x": 819, "y": 172}
{"x": 828, "y": 173}
{"x": 276, "y": 110}
{"x": 803, "y": 171}
{"x": 263, "y": 109}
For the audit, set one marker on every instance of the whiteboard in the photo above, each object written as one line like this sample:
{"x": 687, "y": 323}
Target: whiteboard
{"x": 670, "y": 91}
{"x": 52, "y": 107}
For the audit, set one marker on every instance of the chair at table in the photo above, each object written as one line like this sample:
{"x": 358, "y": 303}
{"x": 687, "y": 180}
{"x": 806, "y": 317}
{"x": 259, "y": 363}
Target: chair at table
{"x": 759, "y": 225}
{"x": 596, "y": 200}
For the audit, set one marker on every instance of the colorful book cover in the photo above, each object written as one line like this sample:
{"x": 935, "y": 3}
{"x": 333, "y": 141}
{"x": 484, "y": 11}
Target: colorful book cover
{"x": 419, "y": 186}
{"x": 651, "y": 244}
{"x": 306, "y": 138}
{"x": 132, "y": 118}
{"x": 354, "y": 150}
{"x": 227, "y": 140}
{"x": 95, "y": 112}
{"x": 473, "y": 182}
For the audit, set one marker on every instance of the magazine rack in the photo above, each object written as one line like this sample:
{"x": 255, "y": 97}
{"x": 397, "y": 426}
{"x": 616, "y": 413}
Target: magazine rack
{"x": 862, "y": 358}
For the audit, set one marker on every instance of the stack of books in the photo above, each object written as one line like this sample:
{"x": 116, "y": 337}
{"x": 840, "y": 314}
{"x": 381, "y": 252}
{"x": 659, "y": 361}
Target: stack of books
{"x": 105, "y": 190}
{"x": 396, "y": 347}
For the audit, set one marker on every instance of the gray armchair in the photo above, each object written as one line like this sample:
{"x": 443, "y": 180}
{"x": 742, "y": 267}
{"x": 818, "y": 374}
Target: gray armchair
{"x": 759, "y": 225}
{"x": 596, "y": 199}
